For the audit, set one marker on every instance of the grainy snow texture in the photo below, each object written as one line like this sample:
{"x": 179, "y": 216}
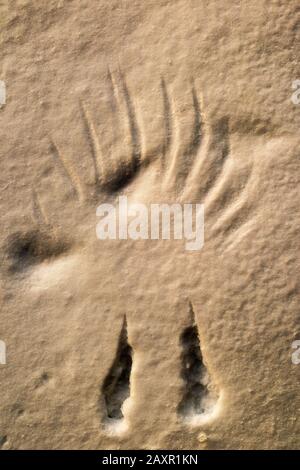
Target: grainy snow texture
{"x": 142, "y": 344}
